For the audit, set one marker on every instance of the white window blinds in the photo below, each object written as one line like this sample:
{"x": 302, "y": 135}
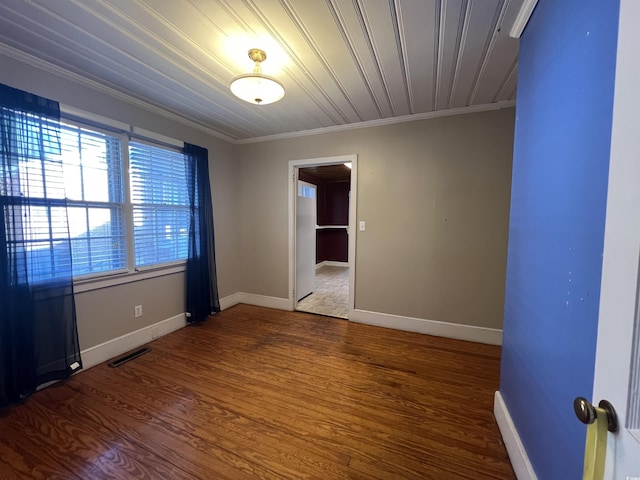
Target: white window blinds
{"x": 160, "y": 203}
{"x": 34, "y": 188}
{"x": 87, "y": 177}
{"x": 95, "y": 197}
{"x": 87, "y": 172}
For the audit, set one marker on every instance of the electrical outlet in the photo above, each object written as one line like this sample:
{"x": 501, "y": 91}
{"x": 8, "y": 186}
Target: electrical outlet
{"x": 137, "y": 311}
{"x": 155, "y": 332}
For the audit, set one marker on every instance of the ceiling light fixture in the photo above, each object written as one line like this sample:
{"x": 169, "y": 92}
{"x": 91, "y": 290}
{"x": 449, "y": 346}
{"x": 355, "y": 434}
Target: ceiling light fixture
{"x": 255, "y": 87}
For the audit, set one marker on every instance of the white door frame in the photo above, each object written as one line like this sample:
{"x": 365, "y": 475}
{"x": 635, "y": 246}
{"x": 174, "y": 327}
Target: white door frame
{"x": 619, "y": 294}
{"x": 294, "y": 166}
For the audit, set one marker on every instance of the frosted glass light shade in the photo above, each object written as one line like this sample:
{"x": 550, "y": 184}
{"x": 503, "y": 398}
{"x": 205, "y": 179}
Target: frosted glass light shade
{"x": 257, "y": 88}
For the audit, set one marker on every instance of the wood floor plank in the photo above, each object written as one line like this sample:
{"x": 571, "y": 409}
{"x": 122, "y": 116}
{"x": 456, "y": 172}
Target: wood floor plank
{"x": 285, "y": 457}
{"x": 343, "y": 383}
{"x": 135, "y": 424}
{"x": 194, "y": 412}
{"x": 262, "y": 393}
{"x": 366, "y": 412}
{"x": 319, "y": 418}
{"x": 99, "y": 452}
{"x": 19, "y": 459}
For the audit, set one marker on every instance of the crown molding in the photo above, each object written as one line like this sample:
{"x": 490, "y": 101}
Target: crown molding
{"x": 523, "y": 17}
{"x": 383, "y": 121}
{"x": 92, "y": 84}
{"x": 112, "y": 92}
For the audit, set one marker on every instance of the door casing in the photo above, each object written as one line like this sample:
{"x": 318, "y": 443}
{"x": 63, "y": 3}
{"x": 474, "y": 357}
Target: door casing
{"x": 294, "y": 166}
{"x": 620, "y": 292}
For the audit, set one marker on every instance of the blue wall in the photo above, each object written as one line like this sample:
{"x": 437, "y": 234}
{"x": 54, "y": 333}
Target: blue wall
{"x": 556, "y": 233}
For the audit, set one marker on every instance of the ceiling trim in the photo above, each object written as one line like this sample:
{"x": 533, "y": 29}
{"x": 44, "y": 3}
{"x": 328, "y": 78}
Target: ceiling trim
{"x": 384, "y": 121}
{"x": 523, "y": 17}
{"x": 92, "y": 84}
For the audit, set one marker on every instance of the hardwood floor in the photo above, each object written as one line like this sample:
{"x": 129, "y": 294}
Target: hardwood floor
{"x": 261, "y": 393}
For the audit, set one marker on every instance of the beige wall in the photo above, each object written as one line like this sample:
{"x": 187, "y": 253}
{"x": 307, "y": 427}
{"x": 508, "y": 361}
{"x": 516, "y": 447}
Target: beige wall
{"x": 107, "y": 313}
{"x": 435, "y": 198}
{"x": 434, "y": 194}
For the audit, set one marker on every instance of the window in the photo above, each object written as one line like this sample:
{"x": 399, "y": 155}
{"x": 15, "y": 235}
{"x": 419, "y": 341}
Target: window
{"x": 93, "y": 181}
{"x": 34, "y": 189}
{"x": 306, "y": 190}
{"x": 87, "y": 177}
{"x": 160, "y": 204}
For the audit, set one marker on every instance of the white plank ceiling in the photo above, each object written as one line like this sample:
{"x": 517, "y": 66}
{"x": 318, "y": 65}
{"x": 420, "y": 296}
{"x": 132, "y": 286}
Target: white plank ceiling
{"x": 341, "y": 61}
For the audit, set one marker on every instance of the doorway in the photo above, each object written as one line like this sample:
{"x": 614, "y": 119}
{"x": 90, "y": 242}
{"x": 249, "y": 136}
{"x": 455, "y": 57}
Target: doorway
{"x": 328, "y": 258}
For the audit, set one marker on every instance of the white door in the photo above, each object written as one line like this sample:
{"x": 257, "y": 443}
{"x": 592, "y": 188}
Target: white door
{"x": 617, "y": 372}
{"x": 305, "y": 239}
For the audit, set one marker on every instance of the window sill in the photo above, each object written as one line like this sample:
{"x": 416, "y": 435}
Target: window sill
{"x": 96, "y": 283}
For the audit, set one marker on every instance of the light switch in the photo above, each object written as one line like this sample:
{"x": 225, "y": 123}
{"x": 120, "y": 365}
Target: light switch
{"x": 362, "y": 226}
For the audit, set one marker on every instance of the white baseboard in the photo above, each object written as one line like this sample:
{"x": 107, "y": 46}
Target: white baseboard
{"x": 491, "y": 336}
{"x": 331, "y": 263}
{"x": 100, "y": 353}
{"x": 254, "y": 299}
{"x": 517, "y": 454}
{"x": 230, "y": 300}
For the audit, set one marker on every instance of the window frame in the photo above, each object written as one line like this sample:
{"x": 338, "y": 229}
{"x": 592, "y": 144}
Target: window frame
{"x": 125, "y": 133}
{"x": 132, "y": 205}
{"x": 123, "y": 138}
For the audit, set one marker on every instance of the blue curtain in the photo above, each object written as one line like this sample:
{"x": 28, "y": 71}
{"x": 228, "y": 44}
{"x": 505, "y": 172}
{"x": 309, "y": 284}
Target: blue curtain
{"x": 38, "y": 331}
{"x": 202, "y": 286}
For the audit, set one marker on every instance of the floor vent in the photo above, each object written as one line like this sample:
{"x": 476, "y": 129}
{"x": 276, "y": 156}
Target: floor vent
{"x": 129, "y": 356}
